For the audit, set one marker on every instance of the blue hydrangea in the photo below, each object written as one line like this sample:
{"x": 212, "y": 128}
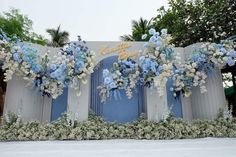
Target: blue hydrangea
{"x": 230, "y": 61}
{"x": 107, "y": 80}
{"x": 152, "y": 31}
{"x": 53, "y": 67}
{"x": 105, "y": 73}
{"x": 232, "y": 53}
{"x": 163, "y": 31}
{"x": 36, "y": 68}
{"x": 16, "y": 57}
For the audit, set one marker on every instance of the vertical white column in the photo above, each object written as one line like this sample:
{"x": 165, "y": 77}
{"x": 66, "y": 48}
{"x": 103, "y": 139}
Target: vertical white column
{"x": 157, "y": 107}
{"x": 187, "y": 108}
{"x": 207, "y": 105}
{"x": 23, "y": 100}
{"x": 47, "y": 106}
{"x": 79, "y": 105}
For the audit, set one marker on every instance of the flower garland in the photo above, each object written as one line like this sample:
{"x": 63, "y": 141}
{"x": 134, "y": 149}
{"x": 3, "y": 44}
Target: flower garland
{"x": 72, "y": 64}
{"x": 153, "y": 69}
{"x": 123, "y": 75}
{"x": 194, "y": 71}
{"x": 159, "y": 63}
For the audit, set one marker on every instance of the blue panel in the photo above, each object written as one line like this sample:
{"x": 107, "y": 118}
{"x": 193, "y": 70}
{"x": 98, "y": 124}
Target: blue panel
{"x": 121, "y": 109}
{"x": 174, "y": 103}
{"x": 117, "y": 108}
{"x": 59, "y": 105}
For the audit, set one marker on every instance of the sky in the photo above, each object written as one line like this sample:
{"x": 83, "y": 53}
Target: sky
{"x": 94, "y": 20}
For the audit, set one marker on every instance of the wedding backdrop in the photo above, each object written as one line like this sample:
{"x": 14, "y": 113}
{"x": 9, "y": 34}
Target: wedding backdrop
{"x": 118, "y": 81}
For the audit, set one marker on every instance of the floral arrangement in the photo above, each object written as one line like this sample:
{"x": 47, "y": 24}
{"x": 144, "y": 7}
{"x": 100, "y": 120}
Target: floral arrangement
{"x": 195, "y": 70}
{"x": 72, "y": 64}
{"x": 157, "y": 61}
{"x": 13, "y": 129}
{"x": 123, "y": 75}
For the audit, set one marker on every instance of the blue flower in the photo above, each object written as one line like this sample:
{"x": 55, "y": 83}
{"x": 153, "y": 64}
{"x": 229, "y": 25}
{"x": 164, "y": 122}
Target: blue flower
{"x": 141, "y": 58}
{"x": 36, "y": 68}
{"x": 107, "y": 80}
{"x": 37, "y": 82}
{"x": 163, "y": 31}
{"x": 141, "y": 79}
{"x": 80, "y": 64}
{"x": 153, "y": 39}
{"x": 152, "y": 31}
{"x": 232, "y": 53}
{"x": 223, "y": 50}
{"x": 105, "y": 73}
{"x": 16, "y": 57}
{"x": 26, "y": 58}
{"x": 230, "y": 62}
{"x": 61, "y": 78}
{"x": 159, "y": 43}
{"x": 53, "y": 67}
{"x": 112, "y": 85}
{"x": 145, "y": 72}
{"x": 53, "y": 75}
{"x": 153, "y": 69}
{"x": 157, "y": 34}
{"x": 62, "y": 67}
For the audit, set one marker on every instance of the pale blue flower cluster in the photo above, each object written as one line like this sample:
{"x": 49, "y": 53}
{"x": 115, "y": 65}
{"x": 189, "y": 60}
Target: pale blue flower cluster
{"x": 149, "y": 69}
{"x": 119, "y": 75}
{"x": 80, "y": 52}
{"x": 74, "y": 62}
{"x": 202, "y": 62}
{"x": 58, "y": 72}
{"x": 25, "y": 53}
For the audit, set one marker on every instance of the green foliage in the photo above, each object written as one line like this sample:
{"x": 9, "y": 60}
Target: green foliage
{"x": 13, "y": 23}
{"x": 139, "y": 28}
{"x": 96, "y": 128}
{"x": 198, "y": 20}
{"x": 192, "y": 21}
{"x": 58, "y": 38}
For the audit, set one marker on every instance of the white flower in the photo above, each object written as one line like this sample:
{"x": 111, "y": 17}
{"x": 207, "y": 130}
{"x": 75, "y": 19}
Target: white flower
{"x": 144, "y": 36}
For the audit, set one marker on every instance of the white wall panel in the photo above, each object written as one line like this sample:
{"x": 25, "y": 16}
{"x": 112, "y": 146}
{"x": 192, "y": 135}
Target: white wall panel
{"x": 25, "y": 101}
{"x": 78, "y": 105}
{"x": 207, "y": 105}
{"x": 157, "y": 108}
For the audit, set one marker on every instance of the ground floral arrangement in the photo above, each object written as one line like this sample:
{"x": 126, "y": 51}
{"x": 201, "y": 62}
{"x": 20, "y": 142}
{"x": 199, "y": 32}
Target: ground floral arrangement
{"x": 159, "y": 63}
{"x": 95, "y": 128}
{"x": 70, "y": 66}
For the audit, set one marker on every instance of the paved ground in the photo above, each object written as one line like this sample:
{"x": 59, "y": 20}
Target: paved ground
{"x": 207, "y": 147}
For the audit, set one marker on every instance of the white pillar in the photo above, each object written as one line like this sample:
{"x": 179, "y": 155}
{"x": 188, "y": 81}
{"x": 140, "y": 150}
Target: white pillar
{"x": 157, "y": 107}
{"x": 26, "y": 101}
{"x": 207, "y": 105}
{"x": 186, "y": 108}
{"x": 79, "y": 105}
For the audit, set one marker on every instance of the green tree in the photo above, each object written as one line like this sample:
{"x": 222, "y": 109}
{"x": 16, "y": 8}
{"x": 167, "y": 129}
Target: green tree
{"x": 191, "y": 21}
{"x": 13, "y": 23}
{"x": 58, "y": 38}
{"x": 198, "y": 20}
{"x": 139, "y": 28}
